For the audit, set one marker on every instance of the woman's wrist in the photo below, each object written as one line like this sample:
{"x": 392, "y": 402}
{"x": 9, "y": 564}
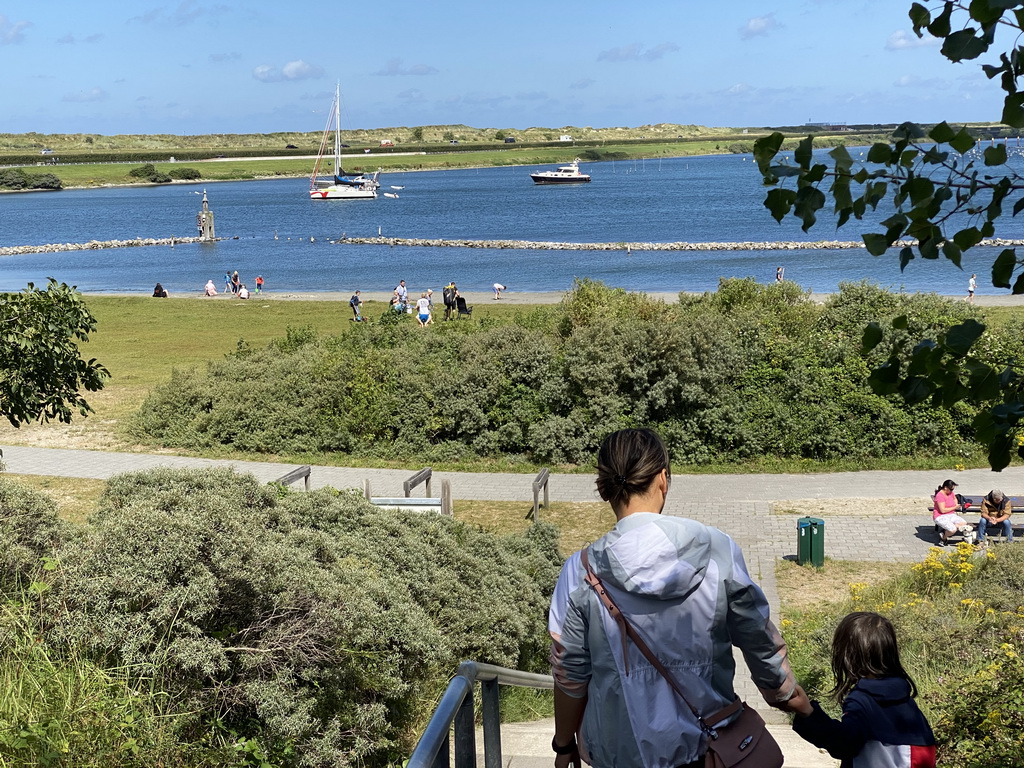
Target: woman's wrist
{"x": 563, "y": 749}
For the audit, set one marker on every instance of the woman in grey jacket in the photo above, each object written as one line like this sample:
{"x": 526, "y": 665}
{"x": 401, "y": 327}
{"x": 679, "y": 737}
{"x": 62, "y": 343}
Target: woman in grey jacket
{"x": 686, "y": 589}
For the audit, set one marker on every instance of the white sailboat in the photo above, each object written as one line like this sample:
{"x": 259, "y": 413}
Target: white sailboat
{"x": 340, "y": 186}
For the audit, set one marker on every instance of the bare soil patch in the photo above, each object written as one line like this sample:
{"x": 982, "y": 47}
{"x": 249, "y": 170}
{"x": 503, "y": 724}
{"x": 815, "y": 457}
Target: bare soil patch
{"x": 911, "y": 505}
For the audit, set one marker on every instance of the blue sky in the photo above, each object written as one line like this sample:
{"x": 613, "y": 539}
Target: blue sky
{"x": 112, "y": 66}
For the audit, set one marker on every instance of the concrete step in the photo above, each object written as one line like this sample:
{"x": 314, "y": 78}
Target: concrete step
{"x": 528, "y": 745}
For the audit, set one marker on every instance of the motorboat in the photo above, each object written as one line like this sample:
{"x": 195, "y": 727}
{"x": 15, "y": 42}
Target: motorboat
{"x": 340, "y": 185}
{"x": 566, "y": 174}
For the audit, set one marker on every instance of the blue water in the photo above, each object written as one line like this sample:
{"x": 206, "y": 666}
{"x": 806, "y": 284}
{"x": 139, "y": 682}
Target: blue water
{"x": 695, "y": 199}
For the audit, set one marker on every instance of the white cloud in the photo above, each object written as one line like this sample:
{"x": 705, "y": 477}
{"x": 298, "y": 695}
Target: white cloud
{"x": 738, "y": 88}
{"x": 95, "y": 38}
{"x": 292, "y": 71}
{"x": 394, "y": 67}
{"x": 913, "y": 81}
{"x": 220, "y": 58}
{"x": 759, "y": 25}
{"x": 901, "y": 40}
{"x": 579, "y": 85}
{"x": 637, "y": 52}
{"x": 93, "y": 94}
{"x": 68, "y": 39}
{"x": 12, "y": 32}
{"x": 412, "y": 95}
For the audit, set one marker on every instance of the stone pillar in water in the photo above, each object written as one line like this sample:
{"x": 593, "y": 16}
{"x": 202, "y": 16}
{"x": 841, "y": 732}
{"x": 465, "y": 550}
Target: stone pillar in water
{"x": 204, "y": 221}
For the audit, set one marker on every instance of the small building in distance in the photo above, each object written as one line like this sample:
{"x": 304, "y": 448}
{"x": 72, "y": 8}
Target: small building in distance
{"x": 565, "y": 137}
{"x": 387, "y": 143}
{"x": 827, "y": 126}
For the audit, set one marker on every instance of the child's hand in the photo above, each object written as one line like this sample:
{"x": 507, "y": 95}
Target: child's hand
{"x": 798, "y": 704}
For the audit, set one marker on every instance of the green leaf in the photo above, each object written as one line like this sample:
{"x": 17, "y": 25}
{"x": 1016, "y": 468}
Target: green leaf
{"x": 765, "y": 150}
{"x": 880, "y": 153}
{"x": 962, "y": 142}
{"x": 906, "y": 256}
{"x": 982, "y": 381}
{"x": 884, "y": 379}
{"x": 809, "y": 200}
{"x": 920, "y": 17}
{"x": 995, "y": 155}
{"x": 915, "y": 389}
{"x": 901, "y": 323}
{"x": 779, "y": 202}
{"x": 875, "y": 243}
{"x": 959, "y": 338}
{"x": 1002, "y": 268}
{"x": 967, "y": 238}
{"x": 842, "y": 159}
{"x": 999, "y": 453}
{"x": 804, "y": 152}
{"x": 941, "y": 133}
{"x": 952, "y": 252}
{"x": 1013, "y": 110}
{"x": 964, "y": 44}
{"x": 939, "y": 26}
{"x": 872, "y": 337}
{"x": 1018, "y": 285}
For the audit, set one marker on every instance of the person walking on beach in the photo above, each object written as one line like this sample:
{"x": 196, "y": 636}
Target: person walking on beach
{"x": 227, "y": 281}
{"x": 356, "y": 303}
{"x": 972, "y": 286}
{"x": 498, "y": 288}
{"x": 779, "y": 274}
{"x": 403, "y": 294}
{"x": 236, "y": 282}
{"x": 259, "y": 283}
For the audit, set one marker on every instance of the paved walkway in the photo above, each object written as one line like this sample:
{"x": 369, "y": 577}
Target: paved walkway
{"x": 737, "y": 504}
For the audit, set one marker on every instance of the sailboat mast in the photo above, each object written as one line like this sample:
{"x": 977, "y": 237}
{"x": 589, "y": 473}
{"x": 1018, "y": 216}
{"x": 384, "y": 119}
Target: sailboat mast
{"x": 337, "y": 129}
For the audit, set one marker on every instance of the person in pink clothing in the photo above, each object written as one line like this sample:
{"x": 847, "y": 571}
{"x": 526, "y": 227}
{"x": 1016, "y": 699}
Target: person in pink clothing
{"x": 944, "y": 511}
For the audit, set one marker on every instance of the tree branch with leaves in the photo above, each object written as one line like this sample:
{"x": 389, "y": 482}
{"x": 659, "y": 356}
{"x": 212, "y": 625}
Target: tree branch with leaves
{"x": 945, "y": 196}
{"x": 42, "y": 372}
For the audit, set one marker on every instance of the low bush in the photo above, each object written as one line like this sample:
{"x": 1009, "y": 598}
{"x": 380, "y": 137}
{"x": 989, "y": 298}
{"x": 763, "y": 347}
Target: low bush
{"x": 148, "y": 172}
{"x": 312, "y": 627}
{"x": 15, "y": 178}
{"x": 186, "y": 174}
{"x": 746, "y": 372}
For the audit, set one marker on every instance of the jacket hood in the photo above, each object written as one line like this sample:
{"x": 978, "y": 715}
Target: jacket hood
{"x": 886, "y": 690}
{"x": 652, "y": 555}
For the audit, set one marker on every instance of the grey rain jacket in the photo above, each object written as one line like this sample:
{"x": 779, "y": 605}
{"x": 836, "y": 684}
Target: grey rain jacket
{"x": 685, "y": 588}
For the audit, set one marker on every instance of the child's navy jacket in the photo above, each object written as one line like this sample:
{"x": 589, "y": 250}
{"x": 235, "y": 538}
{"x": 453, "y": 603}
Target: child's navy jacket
{"x": 882, "y": 727}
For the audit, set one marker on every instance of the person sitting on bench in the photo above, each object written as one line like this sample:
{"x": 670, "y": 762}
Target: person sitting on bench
{"x": 996, "y": 509}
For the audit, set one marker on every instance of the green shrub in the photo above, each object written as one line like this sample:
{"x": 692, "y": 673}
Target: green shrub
{"x": 748, "y": 371}
{"x": 30, "y": 531}
{"x": 958, "y": 618}
{"x": 314, "y": 624}
{"x": 187, "y": 174}
{"x": 148, "y": 172}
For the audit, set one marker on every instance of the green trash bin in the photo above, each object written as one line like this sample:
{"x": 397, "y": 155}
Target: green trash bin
{"x": 810, "y": 539}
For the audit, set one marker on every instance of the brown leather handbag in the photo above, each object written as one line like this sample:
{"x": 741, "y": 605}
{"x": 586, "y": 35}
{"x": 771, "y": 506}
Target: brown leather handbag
{"x": 743, "y": 743}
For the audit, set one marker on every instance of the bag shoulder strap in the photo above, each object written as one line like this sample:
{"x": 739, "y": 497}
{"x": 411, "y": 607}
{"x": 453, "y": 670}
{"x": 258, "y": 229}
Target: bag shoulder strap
{"x": 629, "y": 633}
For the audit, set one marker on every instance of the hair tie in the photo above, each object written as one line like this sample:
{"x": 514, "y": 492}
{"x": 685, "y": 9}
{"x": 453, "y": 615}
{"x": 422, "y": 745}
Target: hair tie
{"x": 620, "y": 479}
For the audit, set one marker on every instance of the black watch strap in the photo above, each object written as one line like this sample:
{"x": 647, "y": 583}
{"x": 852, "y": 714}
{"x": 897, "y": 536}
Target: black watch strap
{"x": 568, "y": 749}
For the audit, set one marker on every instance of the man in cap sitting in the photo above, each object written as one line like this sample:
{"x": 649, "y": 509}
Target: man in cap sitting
{"x": 996, "y": 510}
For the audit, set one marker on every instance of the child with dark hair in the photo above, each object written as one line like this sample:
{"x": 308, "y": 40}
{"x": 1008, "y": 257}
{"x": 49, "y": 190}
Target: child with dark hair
{"x": 882, "y": 726}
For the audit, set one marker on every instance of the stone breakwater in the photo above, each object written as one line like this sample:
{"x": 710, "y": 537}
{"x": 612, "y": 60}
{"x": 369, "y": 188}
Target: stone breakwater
{"x": 93, "y": 245}
{"x": 819, "y": 245}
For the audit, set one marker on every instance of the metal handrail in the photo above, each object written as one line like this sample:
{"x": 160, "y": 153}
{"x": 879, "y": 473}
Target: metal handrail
{"x": 456, "y": 706}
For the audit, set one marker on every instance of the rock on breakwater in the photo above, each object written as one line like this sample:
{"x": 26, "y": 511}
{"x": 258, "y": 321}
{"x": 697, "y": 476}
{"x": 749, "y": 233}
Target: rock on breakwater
{"x": 777, "y": 245}
{"x": 92, "y": 245}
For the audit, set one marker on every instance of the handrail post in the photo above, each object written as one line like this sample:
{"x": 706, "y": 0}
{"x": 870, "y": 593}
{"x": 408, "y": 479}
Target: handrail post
{"x": 422, "y": 476}
{"x": 490, "y": 704}
{"x": 541, "y": 481}
{"x": 465, "y": 733}
{"x": 443, "y": 757}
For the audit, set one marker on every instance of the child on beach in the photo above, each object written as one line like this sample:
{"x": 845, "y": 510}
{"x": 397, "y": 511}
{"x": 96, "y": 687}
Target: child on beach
{"x": 882, "y": 726}
{"x": 259, "y": 283}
